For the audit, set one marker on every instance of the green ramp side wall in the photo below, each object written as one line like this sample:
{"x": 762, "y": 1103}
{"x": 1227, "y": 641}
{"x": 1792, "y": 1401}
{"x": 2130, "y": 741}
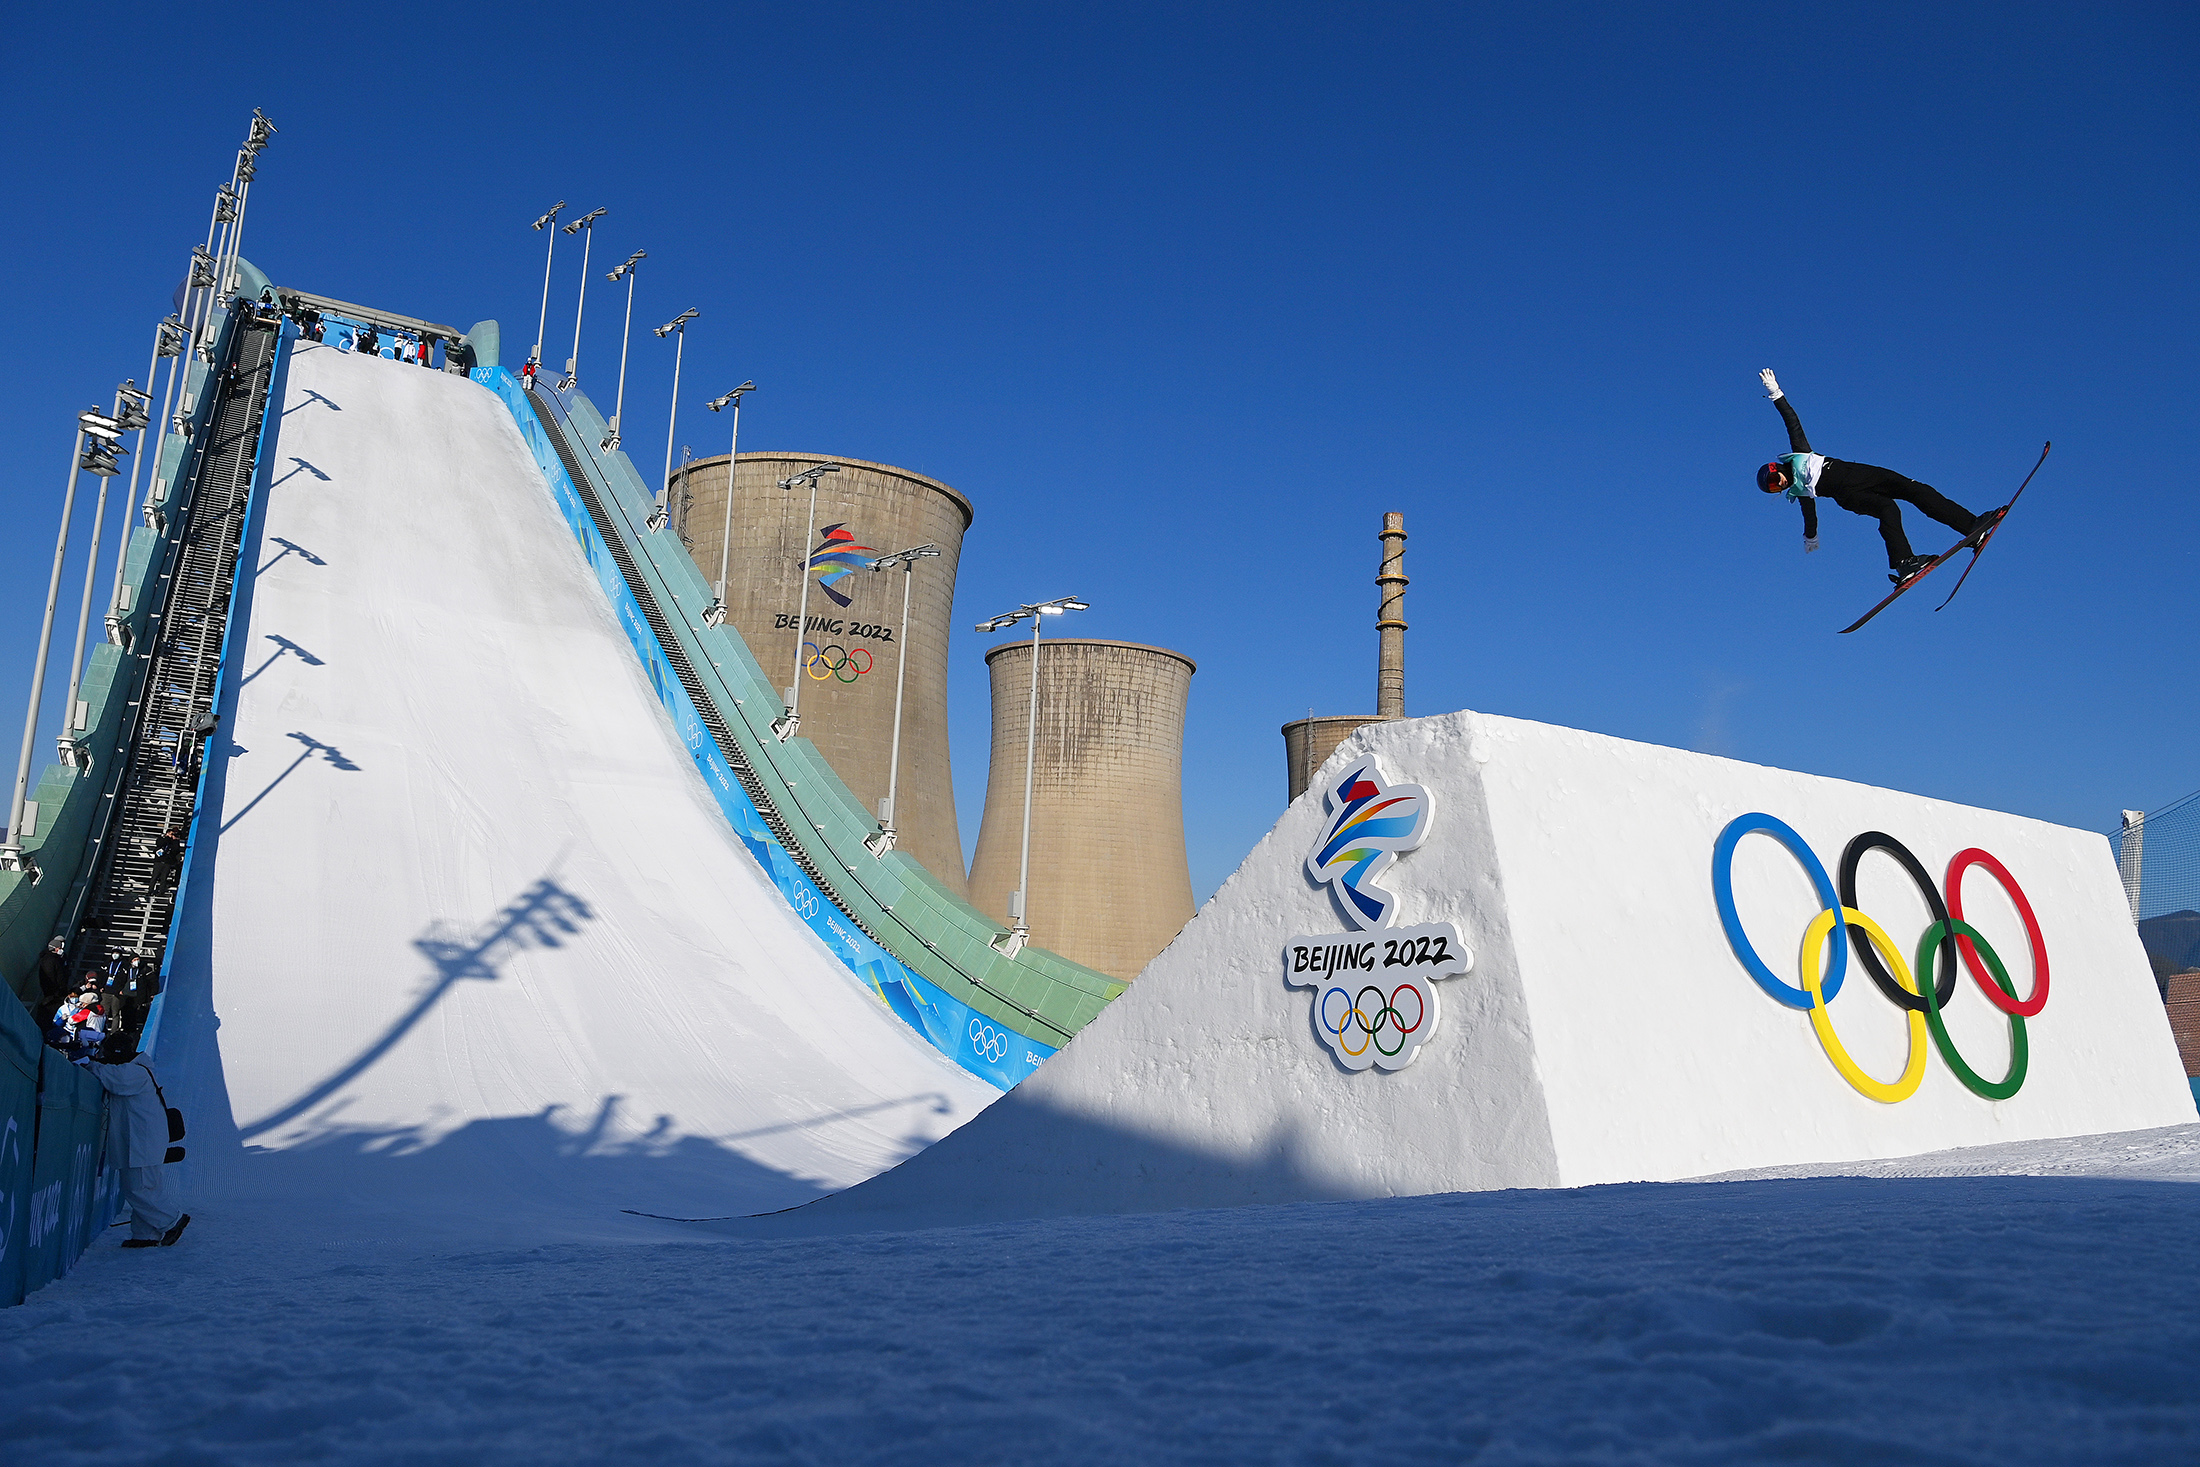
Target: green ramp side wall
{"x": 70, "y": 803}
{"x": 894, "y": 901}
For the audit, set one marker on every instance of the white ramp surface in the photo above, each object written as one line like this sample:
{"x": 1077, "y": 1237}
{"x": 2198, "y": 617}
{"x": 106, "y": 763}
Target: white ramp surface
{"x": 1607, "y": 1032}
{"x": 475, "y": 938}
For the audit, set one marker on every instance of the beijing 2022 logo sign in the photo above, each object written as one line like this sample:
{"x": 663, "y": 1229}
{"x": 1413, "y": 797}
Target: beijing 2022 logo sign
{"x": 1374, "y": 988}
{"x": 1921, "y": 1002}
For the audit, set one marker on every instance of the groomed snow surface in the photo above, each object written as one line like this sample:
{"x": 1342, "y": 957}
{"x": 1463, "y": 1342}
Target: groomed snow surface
{"x": 1896, "y": 1319}
{"x": 476, "y": 966}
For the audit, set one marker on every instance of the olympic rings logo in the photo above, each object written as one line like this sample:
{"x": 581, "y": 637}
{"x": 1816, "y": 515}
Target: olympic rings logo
{"x": 1387, "y": 1016}
{"x": 834, "y": 662}
{"x": 987, "y": 1041}
{"x": 1946, "y": 939}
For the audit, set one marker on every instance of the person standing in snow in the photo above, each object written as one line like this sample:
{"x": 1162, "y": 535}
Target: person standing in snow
{"x": 137, "y": 1144}
{"x": 1875, "y": 493}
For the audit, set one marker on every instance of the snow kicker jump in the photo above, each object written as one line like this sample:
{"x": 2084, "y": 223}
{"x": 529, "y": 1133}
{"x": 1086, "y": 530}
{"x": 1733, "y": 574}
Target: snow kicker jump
{"x": 1574, "y": 960}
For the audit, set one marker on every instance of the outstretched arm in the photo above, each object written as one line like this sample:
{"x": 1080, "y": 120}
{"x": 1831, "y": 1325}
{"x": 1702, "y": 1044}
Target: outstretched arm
{"x": 1797, "y": 443}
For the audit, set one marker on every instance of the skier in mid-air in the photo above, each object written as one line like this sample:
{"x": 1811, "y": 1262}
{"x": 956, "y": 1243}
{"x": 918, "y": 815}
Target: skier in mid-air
{"x": 1862, "y": 489}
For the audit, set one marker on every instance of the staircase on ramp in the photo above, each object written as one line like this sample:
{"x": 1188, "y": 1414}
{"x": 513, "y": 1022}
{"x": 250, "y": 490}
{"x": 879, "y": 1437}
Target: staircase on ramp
{"x": 128, "y": 905}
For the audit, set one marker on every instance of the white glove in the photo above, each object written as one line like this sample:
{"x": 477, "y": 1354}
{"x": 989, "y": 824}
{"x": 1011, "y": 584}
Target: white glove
{"x": 1772, "y": 383}
{"x": 1810, "y": 544}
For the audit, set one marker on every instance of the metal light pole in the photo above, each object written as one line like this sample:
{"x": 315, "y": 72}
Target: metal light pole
{"x": 129, "y": 412}
{"x": 1012, "y": 942}
{"x": 11, "y": 853}
{"x": 677, "y": 326}
{"x": 626, "y": 339}
{"x": 715, "y": 613}
{"x": 786, "y": 724}
{"x": 167, "y": 342}
{"x": 547, "y": 223}
{"x": 587, "y": 222}
{"x": 880, "y": 841}
{"x": 248, "y": 158}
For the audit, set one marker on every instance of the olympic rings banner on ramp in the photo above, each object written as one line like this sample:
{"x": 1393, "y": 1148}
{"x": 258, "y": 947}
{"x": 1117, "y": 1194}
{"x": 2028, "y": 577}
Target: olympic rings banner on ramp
{"x": 1681, "y": 965}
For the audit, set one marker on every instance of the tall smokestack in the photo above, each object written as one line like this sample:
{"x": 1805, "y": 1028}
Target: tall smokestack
{"x": 1390, "y": 621}
{"x": 1308, "y": 742}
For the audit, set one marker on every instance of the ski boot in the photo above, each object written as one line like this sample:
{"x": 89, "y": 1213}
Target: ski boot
{"x": 1908, "y": 568}
{"x": 1984, "y": 527}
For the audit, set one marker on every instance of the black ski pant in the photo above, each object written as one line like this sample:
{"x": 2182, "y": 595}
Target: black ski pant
{"x": 1881, "y": 503}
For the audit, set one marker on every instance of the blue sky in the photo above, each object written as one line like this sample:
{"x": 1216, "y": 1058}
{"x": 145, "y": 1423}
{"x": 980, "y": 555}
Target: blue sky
{"x": 1184, "y": 300}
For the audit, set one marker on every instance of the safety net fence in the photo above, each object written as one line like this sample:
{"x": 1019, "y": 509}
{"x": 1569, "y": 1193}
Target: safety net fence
{"x": 2158, "y": 854}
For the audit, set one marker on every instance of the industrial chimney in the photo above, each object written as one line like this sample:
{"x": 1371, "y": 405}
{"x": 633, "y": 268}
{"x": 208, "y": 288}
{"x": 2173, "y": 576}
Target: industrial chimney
{"x": 1109, "y": 882}
{"x": 1308, "y": 742}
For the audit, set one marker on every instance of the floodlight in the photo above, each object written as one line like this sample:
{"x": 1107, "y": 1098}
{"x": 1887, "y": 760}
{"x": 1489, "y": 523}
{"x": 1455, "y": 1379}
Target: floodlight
{"x": 551, "y": 217}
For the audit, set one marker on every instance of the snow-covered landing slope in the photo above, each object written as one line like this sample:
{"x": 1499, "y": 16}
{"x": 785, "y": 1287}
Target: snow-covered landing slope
{"x": 474, "y": 938}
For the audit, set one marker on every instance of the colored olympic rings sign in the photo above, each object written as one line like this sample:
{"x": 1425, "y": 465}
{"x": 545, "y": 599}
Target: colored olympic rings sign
{"x": 1919, "y": 987}
{"x": 835, "y": 662}
{"x": 1370, "y": 1015}
{"x": 987, "y": 1041}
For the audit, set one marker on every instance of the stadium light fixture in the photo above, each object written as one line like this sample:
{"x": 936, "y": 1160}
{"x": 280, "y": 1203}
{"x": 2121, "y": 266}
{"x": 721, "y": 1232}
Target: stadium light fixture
{"x": 1011, "y": 942}
{"x": 128, "y": 412}
{"x": 585, "y": 225}
{"x": 881, "y": 840}
{"x": 12, "y": 855}
{"x": 677, "y": 327}
{"x": 626, "y": 339}
{"x": 715, "y": 613}
{"x": 786, "y": 724}
{"x": 547, "y": 223}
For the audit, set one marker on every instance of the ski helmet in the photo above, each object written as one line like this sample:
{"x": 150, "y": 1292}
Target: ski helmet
{"x": 1769, "y": 474}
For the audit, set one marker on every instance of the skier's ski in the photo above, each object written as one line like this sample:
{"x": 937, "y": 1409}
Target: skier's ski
{"x": 1945, "y": 556}
{"x": 1915, "y": 576}
{"x": 1995, "y": 528}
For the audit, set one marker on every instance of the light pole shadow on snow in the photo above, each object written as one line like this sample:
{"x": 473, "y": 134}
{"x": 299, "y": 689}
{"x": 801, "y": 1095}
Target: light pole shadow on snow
{"x": 285, "y": 645}
{"x": 303, "y": 468}
{"x": 313, "y": 746}
{"x": 542, "y": 916}
{"x": 311, "y": 398}
{"x": 288, "y": 549}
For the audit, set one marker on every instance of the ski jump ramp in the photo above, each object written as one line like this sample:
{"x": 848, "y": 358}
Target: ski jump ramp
{"x": 475, "y": 941}
{"x": 472, "y": 917}
{"x": 1606, "y": 1026}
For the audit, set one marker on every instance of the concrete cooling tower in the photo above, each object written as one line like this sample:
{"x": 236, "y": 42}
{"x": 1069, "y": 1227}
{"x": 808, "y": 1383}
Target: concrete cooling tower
{"x": 1109, "y": 882}
{"x": 854, "y": 635}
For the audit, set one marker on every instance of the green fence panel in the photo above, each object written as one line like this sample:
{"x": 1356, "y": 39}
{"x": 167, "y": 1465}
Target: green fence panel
{"x": 19, "y": 1052}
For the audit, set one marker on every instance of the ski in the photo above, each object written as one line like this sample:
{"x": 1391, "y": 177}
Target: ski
{"x": 1995, "y": 529}
{"x": 1915, "y": 576}
{"x": 1950, "y": 553}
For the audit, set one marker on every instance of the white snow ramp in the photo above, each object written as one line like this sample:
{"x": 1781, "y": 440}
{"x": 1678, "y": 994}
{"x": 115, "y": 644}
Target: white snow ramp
{"x": 477, "y": 938}
{"x": 1608, "y": 1029}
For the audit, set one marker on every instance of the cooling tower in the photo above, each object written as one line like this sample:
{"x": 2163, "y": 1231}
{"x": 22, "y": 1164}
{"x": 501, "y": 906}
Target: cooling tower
{"x": 1109, "y": 883}
{"x": 854, "y": 633}
{"x": 1308, "y": 743}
